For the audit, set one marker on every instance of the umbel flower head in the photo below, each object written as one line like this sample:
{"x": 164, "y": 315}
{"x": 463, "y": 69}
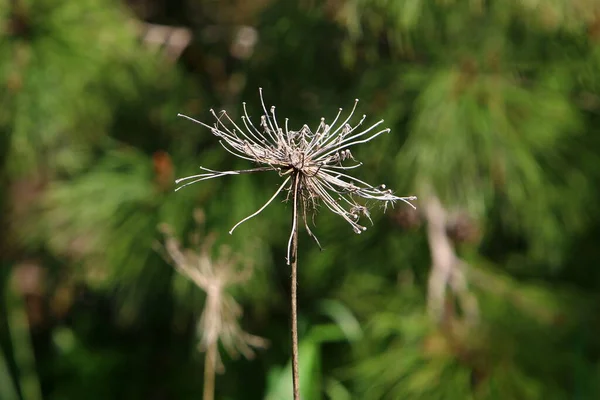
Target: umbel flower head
{"x": 219, "y": 321}
{"x": 311, "y": 163}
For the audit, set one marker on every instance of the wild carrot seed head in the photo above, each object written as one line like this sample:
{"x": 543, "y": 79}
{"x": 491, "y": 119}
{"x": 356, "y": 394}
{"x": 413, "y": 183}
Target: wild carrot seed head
{"x": 312, "y": 163}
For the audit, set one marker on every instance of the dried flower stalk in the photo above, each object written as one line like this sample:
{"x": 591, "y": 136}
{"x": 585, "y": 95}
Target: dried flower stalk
{"x": 311, "y": 165}
{"x": 219, "y": 318}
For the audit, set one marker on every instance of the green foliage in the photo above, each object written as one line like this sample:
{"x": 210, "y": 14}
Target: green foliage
{"x": 49, "y": 106}
{"x": 7, "y": 389}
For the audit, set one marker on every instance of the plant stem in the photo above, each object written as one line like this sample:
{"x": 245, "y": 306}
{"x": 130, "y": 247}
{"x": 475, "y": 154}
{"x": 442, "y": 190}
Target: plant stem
{"x": 209, "y": 372}
{"x": 19, "y": 329}
{"x": 294, "y": 261}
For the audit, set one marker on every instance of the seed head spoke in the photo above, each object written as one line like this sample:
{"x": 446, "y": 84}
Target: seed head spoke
{"x": 263, "y": 207}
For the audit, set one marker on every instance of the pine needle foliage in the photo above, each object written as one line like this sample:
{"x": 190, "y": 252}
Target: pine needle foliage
{"x": 49, "y": 106}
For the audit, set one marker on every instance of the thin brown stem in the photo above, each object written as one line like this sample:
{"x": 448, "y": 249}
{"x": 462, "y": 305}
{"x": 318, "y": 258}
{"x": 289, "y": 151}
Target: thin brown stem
{"x": 294, "y": 262}
{"x": 210, "y": 361}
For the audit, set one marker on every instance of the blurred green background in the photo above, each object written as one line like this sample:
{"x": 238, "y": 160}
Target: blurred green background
{"x": 494, "y": 108}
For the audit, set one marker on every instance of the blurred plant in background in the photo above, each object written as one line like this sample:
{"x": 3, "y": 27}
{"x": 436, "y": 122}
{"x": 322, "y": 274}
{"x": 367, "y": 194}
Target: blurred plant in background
{"x": 219, "y": 319}
{"x": 493, "y": 108}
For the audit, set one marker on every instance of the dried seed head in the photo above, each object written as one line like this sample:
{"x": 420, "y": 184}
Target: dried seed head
{"x": 311, "y": 162}
{"x": 219, "y": 321}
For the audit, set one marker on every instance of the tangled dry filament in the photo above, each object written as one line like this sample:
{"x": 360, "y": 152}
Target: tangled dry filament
{"x": 311, "y": 163}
